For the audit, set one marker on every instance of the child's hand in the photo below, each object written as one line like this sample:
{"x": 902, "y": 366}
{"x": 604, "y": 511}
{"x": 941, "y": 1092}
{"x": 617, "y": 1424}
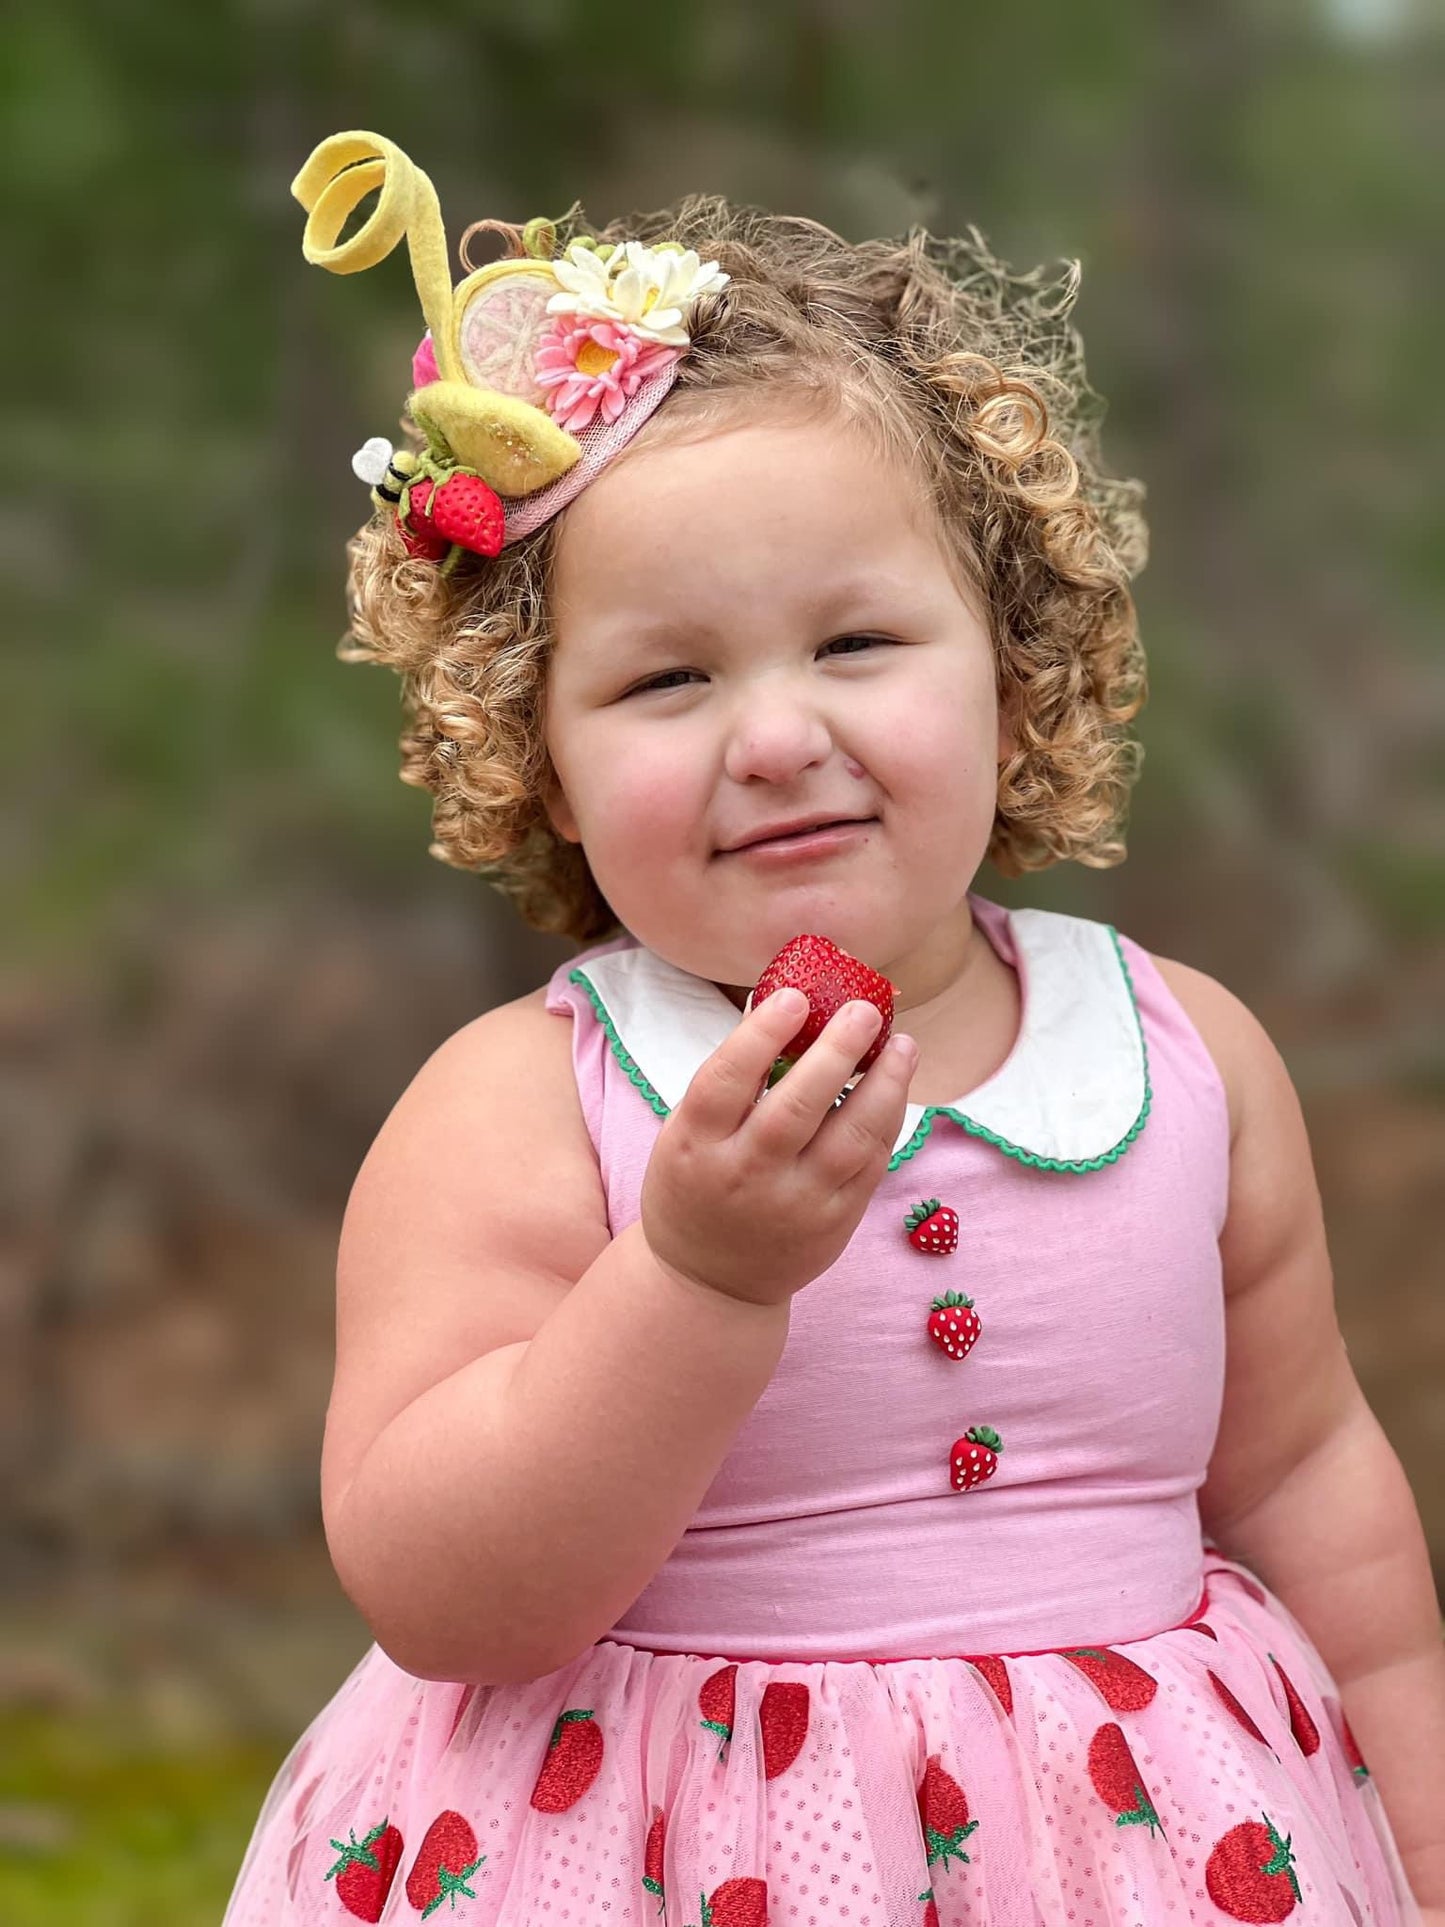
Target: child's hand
{"x": 753, "y": 1195}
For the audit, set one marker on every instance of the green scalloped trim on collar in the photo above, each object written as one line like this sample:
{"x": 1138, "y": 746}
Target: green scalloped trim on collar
{"x": 924, "y": 1127}
{"x": 619, "y": 1049}
{"x": 925, "y": 1123}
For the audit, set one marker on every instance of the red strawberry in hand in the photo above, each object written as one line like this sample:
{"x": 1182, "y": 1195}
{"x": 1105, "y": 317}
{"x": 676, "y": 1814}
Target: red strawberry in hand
{"x": 1250, "y": 1873}
{"x": 445, "y": 1862}
{"x": 1117, "y": 1780}
{"x": 954, "y": 1325}
{"x": 737, "y": 1903}
{"x": 933, "y": 1227}
{"x": 829, "y": 978}
{"x": 652, "y": 1858}
{"x": 1126, "y": 1688}
{"x": 943, "y": 1809}
{"x": 574, "y": 1759}
{"x": 974, "y": 1457}
{"x": 364, "y": 1873}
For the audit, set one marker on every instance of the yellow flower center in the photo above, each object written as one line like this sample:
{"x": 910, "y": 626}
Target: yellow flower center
{"x": 594, "y": 359}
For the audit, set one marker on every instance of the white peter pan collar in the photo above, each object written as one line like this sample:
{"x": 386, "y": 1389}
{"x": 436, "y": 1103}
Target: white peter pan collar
{"x": 1073, "y": 1093}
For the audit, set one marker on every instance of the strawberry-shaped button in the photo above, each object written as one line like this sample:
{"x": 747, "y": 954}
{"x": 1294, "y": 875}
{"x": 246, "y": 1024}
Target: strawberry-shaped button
{"x": 974, "y": 1457}
{"x": 954, "y": 1325}
{"x": 933, "y": 1227}
{"x": 829, "y": 978}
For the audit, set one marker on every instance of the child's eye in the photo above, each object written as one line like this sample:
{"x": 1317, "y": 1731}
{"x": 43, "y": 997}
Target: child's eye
{"x": 662, "y": 682}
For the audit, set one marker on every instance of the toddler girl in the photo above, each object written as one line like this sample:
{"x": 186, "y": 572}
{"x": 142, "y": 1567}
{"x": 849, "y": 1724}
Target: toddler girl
{"x": 927, "y": 1486}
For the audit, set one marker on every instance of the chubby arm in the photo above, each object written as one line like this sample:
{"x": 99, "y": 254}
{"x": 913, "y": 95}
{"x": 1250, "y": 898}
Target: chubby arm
{"x": 1303, "y": 1486}
{"x": 527, "y": 1411}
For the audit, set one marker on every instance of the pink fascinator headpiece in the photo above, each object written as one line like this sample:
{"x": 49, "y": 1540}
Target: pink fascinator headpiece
{"x": 533, "y": 372}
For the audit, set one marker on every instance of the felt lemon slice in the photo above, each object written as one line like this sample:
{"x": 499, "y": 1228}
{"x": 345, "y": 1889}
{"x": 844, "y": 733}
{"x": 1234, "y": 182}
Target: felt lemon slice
{"x": 515, "y": 447}
{"x": 498, "y": 313}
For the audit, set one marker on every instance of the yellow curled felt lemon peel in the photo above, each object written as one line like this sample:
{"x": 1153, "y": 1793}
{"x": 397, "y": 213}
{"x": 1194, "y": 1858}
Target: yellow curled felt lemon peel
{"x": 337, "y": 174}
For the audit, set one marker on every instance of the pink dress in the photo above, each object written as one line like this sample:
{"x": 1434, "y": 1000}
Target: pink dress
{"x": 856, "y": 1695}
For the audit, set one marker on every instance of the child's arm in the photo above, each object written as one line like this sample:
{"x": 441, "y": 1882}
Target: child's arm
{"x": 526, "y": 1412}
{"x": 1303, "y": 1486}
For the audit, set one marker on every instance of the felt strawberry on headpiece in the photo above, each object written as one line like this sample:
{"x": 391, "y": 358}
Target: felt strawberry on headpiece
{"x": 533, "y": 373}
{"x": 829, "y": 978}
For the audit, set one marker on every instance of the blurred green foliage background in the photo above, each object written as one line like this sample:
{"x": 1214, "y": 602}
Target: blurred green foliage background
{"x": 229, "y": 950}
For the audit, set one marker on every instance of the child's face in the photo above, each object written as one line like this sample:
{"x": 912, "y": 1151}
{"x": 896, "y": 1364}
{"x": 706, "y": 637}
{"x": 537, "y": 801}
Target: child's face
{"x": 744, "y": 559}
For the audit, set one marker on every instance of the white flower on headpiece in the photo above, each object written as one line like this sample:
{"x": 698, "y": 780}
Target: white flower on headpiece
{"x": 646, "y": 289}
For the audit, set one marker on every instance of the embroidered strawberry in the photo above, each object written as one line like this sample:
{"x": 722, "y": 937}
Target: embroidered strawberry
{"x": 943, "y": 1809}
{"x": 364, "y": 1873}
{"x": 1117, "y": 1780}
{"x": 1201, "y": 1627}
{"x": 574, "y": 1759}
{"x": 1306, "y": 1733}
{"x": 930, "y": 1911}
{"x": 783, "y": 1717}
{"x": 419, "y": 538}
{"x": 953, "y": 1324}
{"x": 996, "y": 1673}
{"x": 1250, "y": 1873}
{"x": 830, "y": 978}
{"x": 974, "y": 1457}
{"x": 466, "y": 511}
{"x": 716, "y": 1699}
{"x": 445, "y": 1862}
{"x": 1234, "y": 1707}
{"x": 741, "y": 1902}
{"x": 1354, "y": 1758}
{"x": 933, "y": 1227}
{"x": 652, "y": 1858}
{"x": 1126, "y": 1687}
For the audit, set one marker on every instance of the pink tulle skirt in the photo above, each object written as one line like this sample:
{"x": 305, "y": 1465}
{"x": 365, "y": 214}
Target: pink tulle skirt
{"x": 1205, "y": 1774}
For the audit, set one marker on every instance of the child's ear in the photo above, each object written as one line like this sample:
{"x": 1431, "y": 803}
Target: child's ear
{"x": 559, "y": 810}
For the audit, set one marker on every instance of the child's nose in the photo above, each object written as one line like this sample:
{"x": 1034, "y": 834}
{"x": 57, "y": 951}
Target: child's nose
{"x": 778, "y": 735}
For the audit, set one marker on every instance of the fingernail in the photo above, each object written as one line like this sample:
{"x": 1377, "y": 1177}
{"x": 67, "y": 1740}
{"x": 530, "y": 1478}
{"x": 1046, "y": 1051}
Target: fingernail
{"x": 792, "y": 1002}
{"x": 903, "y": 1046}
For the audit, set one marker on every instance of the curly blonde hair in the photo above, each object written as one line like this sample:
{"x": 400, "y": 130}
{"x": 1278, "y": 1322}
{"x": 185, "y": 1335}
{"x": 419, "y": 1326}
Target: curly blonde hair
{"x": 952, "y": 362}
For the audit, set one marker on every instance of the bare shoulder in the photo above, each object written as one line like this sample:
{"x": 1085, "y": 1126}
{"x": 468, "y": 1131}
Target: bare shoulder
{"x": 477, "y": 1207}
{"x": 1274, "y": 1194}
{"x": 1232, "y": 1034}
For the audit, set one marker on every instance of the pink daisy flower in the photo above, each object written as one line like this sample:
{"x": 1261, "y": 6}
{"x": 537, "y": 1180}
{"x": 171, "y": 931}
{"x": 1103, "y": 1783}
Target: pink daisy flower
{"x": 587, "y": 364}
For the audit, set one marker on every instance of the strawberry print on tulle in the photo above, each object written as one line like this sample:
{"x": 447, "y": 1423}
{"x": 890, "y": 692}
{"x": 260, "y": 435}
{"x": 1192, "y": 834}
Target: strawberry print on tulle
{"x": 1238, "y": 1712}
{"x": 943, "y": 1809}
{"x": 1126, "y": 1688}
{"x": 365, "y": 1871}
{"x": 996, "y": 1673}
{"x": 446, "y": 1860}
{"x": 782, "y": 1717}
{"x": 652, "y": 1858}
{"x": 574, "y": 1759}
{"x": 1301, "y": 1724}
{"x": 1118, "y": 1781}
{"x": 741, "y": 1902}
{"x": 1250, "y": 1873}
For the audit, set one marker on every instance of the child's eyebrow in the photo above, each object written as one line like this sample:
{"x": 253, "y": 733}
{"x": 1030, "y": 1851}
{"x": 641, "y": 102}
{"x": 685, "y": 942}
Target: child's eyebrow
{"x": 873, "y": 594}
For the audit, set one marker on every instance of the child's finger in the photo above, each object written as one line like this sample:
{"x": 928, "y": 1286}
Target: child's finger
{"x": 787, "y": 1117}
{"x": 721, "y": 1094}
{"x": 865, "y": 1127}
